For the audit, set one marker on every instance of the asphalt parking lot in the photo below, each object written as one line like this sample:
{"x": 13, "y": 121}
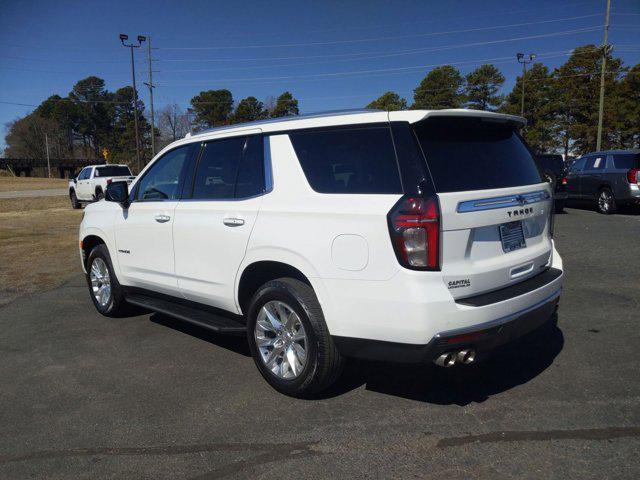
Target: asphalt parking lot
{"x": 82, "y": 396}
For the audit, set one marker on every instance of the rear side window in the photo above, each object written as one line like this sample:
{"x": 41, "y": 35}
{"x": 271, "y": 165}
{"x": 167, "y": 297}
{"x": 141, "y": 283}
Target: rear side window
{"x": 626, "y": 162}
{"x": 230, "y": 168}
{"x": 473, "y": 154}
{"x": 596, "y": 163}
{"x": 348, "y": 160}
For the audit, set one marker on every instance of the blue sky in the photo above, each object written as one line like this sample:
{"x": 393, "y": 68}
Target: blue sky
{"x": 330, "y": 55}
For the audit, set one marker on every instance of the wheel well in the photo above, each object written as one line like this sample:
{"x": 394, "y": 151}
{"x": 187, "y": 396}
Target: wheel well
{"x": 98, "y": 189}
{"x": 603, "y": 186}
{"x": 89, "y": 243}
{"x": 71, "y": 190}
{"x": 259, "y": 273}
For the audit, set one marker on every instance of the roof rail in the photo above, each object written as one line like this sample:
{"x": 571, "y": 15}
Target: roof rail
{"x": 327, "y": 113}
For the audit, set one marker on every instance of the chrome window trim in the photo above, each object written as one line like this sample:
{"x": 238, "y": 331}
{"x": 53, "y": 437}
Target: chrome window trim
{"x": 492, "y": 203}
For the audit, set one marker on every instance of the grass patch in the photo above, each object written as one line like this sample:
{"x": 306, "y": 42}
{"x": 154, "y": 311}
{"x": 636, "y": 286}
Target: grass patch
{"x": 10, "y": 184}
{"x": 38, "y": 245}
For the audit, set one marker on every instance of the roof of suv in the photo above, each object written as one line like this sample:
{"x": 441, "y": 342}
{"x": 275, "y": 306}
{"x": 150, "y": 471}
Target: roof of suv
{"x": 344, "y": 117}
{"x": 613, "y": 152}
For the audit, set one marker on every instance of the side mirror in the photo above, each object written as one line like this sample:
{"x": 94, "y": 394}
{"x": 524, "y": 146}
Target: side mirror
{"x": 118, "y": 192}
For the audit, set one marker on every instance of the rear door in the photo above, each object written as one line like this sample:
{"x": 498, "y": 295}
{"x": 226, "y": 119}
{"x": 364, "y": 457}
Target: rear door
{"x": 495, "y": 206}
{"x": 212, "y": 227}
{"x": 592, "y": 176}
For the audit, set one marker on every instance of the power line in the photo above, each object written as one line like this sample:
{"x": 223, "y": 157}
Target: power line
{"x": 376, "y": 39}
{"x": 462, "y": 45}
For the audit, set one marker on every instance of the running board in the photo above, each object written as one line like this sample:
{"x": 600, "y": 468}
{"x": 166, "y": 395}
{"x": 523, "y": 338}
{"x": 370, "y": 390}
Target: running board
{"x": 200, "y": 317}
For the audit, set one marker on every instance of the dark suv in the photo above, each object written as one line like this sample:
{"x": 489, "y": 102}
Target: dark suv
{"x": 554, "y": 171}
{"x": 608, "y": 178}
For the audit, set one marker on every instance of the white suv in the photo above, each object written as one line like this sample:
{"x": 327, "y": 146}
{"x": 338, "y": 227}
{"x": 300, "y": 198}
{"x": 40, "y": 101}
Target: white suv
{"x": 412, "y": 236}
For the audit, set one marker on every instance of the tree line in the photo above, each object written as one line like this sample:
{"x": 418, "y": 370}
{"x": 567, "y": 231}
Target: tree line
{"x": 561, "y": 105}
{"x": 91, "y": 121}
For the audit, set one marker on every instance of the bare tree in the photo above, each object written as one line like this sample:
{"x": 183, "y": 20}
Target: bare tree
{"x": 173, "y": 123}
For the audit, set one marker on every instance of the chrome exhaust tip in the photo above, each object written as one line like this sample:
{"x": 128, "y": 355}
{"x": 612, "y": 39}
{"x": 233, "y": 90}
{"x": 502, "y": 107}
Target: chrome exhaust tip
{"x": 466, "y": 357}
{"x": 446, "y": 360}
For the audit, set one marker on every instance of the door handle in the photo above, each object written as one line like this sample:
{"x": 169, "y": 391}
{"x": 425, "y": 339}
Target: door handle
{"x": 160, "y": 218}
{"x": 233, "y": 222}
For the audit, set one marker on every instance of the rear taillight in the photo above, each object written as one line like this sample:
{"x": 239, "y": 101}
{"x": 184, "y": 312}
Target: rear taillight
{"x": 414, "y": 224}
{"x": 633, "y": 175}
{"x": 109, "y": 181}
{"x": 563, "y": 181}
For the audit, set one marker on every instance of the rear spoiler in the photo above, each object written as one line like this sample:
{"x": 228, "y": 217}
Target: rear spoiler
{"x": 416, "y": 116}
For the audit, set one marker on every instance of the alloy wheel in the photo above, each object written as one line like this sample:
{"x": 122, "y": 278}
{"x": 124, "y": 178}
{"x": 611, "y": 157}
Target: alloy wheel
{"x": 604, "y": 201}
{"x": 100, "y": 281}
{"x": 281, "y": 340}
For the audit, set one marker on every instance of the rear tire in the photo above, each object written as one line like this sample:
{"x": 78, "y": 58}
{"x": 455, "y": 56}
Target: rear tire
{"x": 559, "y": 206}
{"x": 273, "y": 344}
{"x": 104, "y": 289}
{"x": 606, "y": 202}
{"x": 75, "y": 204}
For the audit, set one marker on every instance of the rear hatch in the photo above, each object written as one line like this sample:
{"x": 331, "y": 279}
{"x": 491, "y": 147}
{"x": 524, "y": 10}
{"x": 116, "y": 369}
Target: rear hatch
{"x": 495, "y": 207}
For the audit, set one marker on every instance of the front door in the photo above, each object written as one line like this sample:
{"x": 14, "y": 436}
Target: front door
{"x": 212, "y": 228}
{"x": 83, "y": 188}
{"x": 144, "y": 231}
{"x": 574, "y": 177}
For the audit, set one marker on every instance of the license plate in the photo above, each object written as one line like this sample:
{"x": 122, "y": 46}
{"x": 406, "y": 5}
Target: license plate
{"x": 512, "y": 236}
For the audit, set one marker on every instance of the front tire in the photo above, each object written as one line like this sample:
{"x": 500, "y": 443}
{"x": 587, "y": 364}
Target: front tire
{"x": 105, "y": 290}
{"x": 99, "y": 194}
{"x": 289, "y": 339}
{"x": 606, "y": 202}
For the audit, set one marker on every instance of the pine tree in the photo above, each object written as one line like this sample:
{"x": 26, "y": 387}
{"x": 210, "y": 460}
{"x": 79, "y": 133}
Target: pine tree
{"x": 482, "y": 88}
{"x": 389, "y": 101}
{"x": 440, "y": 88}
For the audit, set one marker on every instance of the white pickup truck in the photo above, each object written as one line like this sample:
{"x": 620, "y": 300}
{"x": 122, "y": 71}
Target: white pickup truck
{"x": 91, "y": 182}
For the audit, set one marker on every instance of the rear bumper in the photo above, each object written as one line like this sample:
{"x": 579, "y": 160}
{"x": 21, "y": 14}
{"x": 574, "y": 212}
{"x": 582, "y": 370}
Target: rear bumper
{"x": 482, "y": 338}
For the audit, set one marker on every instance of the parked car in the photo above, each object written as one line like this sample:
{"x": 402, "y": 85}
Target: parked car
{"x": 409, "y": 236}
{"x": 91, "y": 182}
{"x": 608, "y": 179}
{"x": 554, "y": 171}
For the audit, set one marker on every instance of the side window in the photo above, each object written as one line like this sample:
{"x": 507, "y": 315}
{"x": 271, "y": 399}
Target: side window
{"x": 250, "y": 180}
{"x": 348, "y": 160}
{"x": 578, "y": 165}
{"x": 85, "y": 173}
{"x": 162, "y": 181}
{"x": 218, "y": 168}
{"x": 599, "y": 162}
{"x": 625, "y": 162}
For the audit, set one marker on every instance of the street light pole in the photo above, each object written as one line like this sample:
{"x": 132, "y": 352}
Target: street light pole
{"x": 131, "y": 46}
{"x": 524, "y": 62}
{"x": 602, "y": 72}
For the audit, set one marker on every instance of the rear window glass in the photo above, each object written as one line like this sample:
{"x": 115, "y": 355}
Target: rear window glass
{"x": 472, "y": 154}
{"x": 112, "y": 171}
{"x": 348, "y": 160}
{"x": 626, "y": 162}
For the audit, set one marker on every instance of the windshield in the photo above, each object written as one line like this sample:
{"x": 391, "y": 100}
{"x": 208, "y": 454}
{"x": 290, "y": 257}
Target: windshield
{"x": 475, "y": 154}
{"x": 113, "y": 171}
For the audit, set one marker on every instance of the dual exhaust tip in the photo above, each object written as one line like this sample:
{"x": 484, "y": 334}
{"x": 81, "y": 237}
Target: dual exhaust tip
{"x": 449, "y": 359}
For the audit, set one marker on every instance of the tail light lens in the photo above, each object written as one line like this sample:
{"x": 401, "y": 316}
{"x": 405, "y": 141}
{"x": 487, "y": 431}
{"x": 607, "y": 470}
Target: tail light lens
{"x": 414, "y": 225}
{"x": 564, "y": 181}
{"x": 109, "y": 181}
{"x": 633, "y": 175}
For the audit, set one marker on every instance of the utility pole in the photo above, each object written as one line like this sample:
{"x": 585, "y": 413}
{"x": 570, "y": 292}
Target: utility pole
{"x": 602, "y": 73}
{"x": 151, "y": 87}
{"x": 524, "y": 62}
{"x": 131, "y": 46}
{"x": 46, "y": 143}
